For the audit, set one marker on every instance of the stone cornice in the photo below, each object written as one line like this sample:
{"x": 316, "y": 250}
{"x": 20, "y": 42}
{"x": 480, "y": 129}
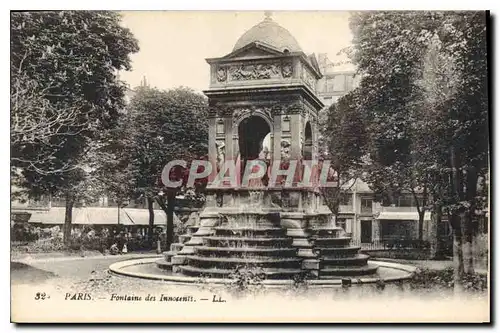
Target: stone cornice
{"x": 253, "y": 91}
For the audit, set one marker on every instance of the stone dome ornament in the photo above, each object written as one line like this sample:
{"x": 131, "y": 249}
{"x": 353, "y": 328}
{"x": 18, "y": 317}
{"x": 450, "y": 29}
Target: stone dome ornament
{"x": 271, "y": 33}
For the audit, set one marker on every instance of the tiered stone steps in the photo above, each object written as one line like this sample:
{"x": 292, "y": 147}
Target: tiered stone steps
{"x": 264, "y": 247}
{"x": 338, "y": 259}
{"x": 218, "y": 253}
{"x": 281, "y": 273}
{"x": 166, "y": 262}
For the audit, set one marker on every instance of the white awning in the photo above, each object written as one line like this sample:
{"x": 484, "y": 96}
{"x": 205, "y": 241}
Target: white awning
{"x": 403, "y": 216}
{"x": 100, "y": 215}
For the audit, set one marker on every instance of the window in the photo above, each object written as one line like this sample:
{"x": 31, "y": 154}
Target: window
{"x": 329, "y": 85}
{"x": 366, "y": 205}
{"x": 338, "y": 83}
{"x": 348, "y": 82}
{"x": 341, "y": 223}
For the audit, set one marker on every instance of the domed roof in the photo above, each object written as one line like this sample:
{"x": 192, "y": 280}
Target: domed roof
{"x": 270, "y": 33}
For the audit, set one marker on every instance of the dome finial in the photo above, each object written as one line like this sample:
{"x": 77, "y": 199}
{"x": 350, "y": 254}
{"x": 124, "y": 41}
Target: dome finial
{"x": 268, "y": 15}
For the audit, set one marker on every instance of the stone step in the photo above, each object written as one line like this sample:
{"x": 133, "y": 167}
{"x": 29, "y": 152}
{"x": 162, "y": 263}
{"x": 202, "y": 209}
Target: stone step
{"x": 349, "y": 271}
{"x": 325, "y": 229}
{"x": 356, "y": 261}
{"x": 184, "y": 238}
{"x": 202, "y": 233}
{"x": 250, "y": 232}
{"x": 193, "y": 228}
{"x": 281, "y": 273}
{"x": 245, "y": 251}
{"x": 168, "y": 255}
{"x": 187, "y": 250}
{"x": 234, "y": 262}
{"x": 222, "y": 241}
{"x": 326, "y": 242}
{"x": 176, "y": 247}
{"x": 326, "y": 232}
{"x": 163, "y": 264}
{"x": 339, "y": 252}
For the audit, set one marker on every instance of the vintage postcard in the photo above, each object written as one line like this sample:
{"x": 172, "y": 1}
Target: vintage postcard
{"x": 250, "y": 166}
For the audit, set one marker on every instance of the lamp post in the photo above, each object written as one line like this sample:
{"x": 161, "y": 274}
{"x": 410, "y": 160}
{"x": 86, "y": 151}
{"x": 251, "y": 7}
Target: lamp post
{"x": 121, "y": 205}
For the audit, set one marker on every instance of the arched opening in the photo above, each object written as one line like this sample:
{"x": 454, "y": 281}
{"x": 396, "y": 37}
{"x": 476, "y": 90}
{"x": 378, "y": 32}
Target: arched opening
{"x": 252, "y": 132}
{"x": 307, "y": 148}
{"x": 253, "y": 140}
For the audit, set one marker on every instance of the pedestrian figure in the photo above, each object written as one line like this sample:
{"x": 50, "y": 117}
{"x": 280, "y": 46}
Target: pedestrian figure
{"x": 114, "y": 249}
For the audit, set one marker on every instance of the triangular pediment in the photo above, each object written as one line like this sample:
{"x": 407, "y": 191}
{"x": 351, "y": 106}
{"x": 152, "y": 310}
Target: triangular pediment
{"x": 314, "y": 63}
{"x": 253, "y": 50}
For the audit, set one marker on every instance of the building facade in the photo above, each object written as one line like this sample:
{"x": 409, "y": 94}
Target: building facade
{"x": 371, "y": 224}
{"x": 337, "y": 80}
{"x": 368, "y": 222}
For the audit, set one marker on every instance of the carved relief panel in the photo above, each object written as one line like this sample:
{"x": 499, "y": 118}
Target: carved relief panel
{"x": 262, "y": 71}
{"x": 254, "y": 72}
{"x": 308, "y": 78}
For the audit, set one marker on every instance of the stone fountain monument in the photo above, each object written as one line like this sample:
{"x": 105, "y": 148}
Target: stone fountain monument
{"x": 264, "y": 93}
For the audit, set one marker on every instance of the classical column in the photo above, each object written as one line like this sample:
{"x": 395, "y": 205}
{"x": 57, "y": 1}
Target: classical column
{"x": 212, "y": 148}
{"x": 356, "y": 222}
{"x": 295, "y": 148}
{"x": 277, "y": 138}
{"x": 228, "y": 126}
{"x": 375, "y": 230}
{"x": 314, "y": 151}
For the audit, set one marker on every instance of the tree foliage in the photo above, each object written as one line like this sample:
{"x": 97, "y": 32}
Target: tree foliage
{"x": 343, "y": 141}
{"x": 423, "y": 97}
{"x": 159, "y": 127}
{"x": 64, "y": 88}
{"x": 65, "y": 96}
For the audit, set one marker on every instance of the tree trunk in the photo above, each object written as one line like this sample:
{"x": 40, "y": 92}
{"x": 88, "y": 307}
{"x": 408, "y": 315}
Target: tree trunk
{"x": 421, "y": 215}
{"x": 456, "y": 223}
{"x": 170, "y": 218}
{"x": 468, "y": 219}
{"x": 468, "y": 240}
{"x": 151, "y": 220}
{"x": 458, "y": 263}
{"x": 68, "y": 218}
{"x": 433, "y": 232}
{"x": 169, "y": 211}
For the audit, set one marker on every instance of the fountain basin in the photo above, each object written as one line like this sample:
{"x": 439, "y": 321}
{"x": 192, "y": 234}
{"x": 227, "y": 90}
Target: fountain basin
{"x": 146, "y": 268}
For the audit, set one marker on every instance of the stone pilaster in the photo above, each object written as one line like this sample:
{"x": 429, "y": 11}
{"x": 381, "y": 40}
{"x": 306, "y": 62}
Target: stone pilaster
{"x": 376, "y": 230}
{"x": 228, "y": 126}
{"x": 212, "y": 148}
{"x": 277, "y": 138}
{"x": 295, "y": 147}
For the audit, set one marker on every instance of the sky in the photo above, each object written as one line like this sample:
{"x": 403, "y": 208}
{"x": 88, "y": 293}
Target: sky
{"x": 174, "y": 44}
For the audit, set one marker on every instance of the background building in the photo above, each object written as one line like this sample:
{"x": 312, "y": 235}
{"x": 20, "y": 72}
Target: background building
{"x": 369, "y": 222}
{"x": 338, "y": 79}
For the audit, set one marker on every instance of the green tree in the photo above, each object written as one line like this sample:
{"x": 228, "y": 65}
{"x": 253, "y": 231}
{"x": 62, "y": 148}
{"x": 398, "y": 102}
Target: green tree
{"x": 160, "y": 126}
{"x": 66, "y": 63}
{"x": 388, "y": 50}
{"x": 424, "y": 101}
{"x": 464, "y": 38}
{"x": 343, "y": 141}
